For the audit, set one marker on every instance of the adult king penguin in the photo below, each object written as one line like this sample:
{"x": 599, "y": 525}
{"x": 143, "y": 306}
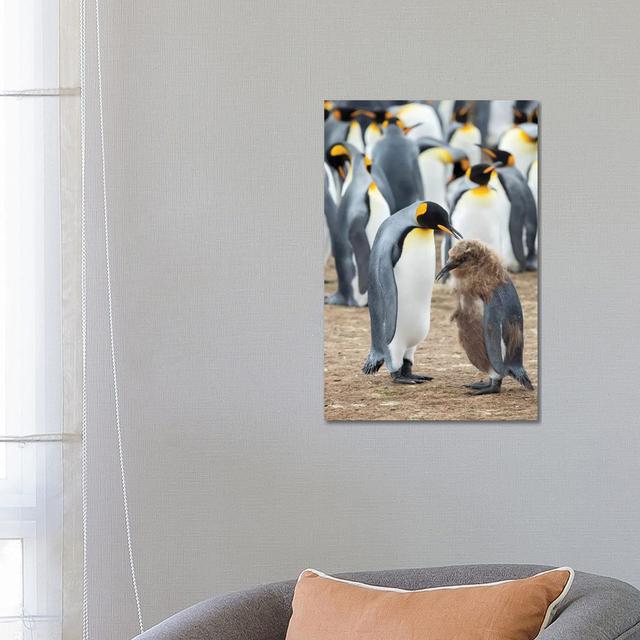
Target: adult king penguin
{"x": 401, "y": 277}
{"x": 423, "y": 120}
{"x": 353, "y": 226}
{"x": 397, "y": 158}
{"x": 524, "y": 213}
{"x": 488, "y": 315}
{"x": 331, "y": 200}
{"x": 463, "y": 134}
{"x": 521, "y": 142}
{"x": 335, "y": 130}
{"x": 437, "y": 162}
{"x": 482, "y": 213}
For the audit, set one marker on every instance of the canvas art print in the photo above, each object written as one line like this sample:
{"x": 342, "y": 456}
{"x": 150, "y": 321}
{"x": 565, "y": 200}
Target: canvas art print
{"x": 431, "y": 260}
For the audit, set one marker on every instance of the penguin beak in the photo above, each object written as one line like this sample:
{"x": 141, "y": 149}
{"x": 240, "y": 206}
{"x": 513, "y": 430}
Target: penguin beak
{"x": 413, "y": 126}
{"x": 492, "y": 167}
{"x": 449, "y": 266}
{"x": 490, "y": 152}
{"x": 451, "y": 231}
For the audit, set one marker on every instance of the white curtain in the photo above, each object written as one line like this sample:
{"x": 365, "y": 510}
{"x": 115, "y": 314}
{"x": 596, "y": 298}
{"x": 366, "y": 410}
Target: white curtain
{"x": 39, "y": 377}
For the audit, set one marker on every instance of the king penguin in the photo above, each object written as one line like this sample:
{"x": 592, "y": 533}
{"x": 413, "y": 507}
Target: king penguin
{"x": 481, "y": 213}
{"x": 521, "y": 142}
{"x": 401, "y": 276}
{"x": 335, "y": 130}
{"x": 493, "y": 118}
{"x": 397, "y": 158}
{"x": 437, "y": 162}
{"x": 330, "y": 208}
{"x": 488, "y": 314}
{"x": 361, "y": 211}
{"x": 524, "y": 214}
{"x": 463, "y": 134}
{"x": 525, "y": 111}
{"x": 422, "y": 119}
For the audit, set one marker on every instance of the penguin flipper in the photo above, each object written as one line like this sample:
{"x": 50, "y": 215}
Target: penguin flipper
{"x": 531, "y": 227}
{"x": 514, "y": 191}
{"x": 383, "y": 300}
{"x": 445, "y": 247}
{"x": 503, "y": 325}
{"x": 361, "y": 251}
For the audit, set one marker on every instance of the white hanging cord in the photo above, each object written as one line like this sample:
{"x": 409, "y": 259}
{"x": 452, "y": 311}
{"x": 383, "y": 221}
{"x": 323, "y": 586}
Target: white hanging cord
{"x": 111, "y": 333}
{"x": 83, "y": 287}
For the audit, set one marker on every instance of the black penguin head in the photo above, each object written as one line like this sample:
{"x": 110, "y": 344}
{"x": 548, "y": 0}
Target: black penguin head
{"x": 392, "y": 120}
{"x": 430, "y": 215}
{"x": 472, "y": 258}
{"x": 505, "y": 158}
{"x": 461, "y": 111}
{"x": 340, "y": 156}
{"x": 481, "y": 173}
{"x": 525, "y": 111}
{"x": 460, "y": 168}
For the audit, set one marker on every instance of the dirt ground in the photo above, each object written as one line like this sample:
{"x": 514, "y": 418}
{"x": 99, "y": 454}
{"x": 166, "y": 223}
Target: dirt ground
{"x": 351, "y": 395}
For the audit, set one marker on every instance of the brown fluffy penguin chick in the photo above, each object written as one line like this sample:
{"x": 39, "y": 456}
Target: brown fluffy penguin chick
{"x": 488, "y": 315}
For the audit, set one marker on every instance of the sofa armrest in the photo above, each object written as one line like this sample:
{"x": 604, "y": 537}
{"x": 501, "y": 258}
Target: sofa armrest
{"x": 597, "y": 608}
{"x": 259, "y": 614}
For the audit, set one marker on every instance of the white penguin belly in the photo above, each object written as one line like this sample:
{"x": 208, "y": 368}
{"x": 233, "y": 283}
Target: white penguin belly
{"x": 466, "y": 138}
{"x": 423, "y": 117}
{"x": 477, "y": 216}
{"x": 378, "y": 212}
{"x": 434, "y": 177}
{"x": 533, "y": 180}
{"x": 371, "y": 137}
{"x": 524, "y": 150}
{"x": 503, "y": 206}
{"x": 361, "y": 299}
{"x": 354, "y": 137}
{"x": 414, "y": 275}
{"x": 333, "y": 187}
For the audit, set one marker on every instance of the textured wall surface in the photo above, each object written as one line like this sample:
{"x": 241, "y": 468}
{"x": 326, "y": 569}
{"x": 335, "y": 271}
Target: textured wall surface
{"x": 213, "y": 136}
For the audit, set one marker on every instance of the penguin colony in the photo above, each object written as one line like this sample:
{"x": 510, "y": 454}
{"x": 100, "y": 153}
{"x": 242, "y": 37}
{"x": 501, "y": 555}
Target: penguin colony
{"x": 396, "y": 175}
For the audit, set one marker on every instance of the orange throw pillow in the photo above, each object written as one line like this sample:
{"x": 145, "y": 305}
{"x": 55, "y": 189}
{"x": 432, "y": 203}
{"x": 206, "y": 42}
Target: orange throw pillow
{"x": 326, "y": 608}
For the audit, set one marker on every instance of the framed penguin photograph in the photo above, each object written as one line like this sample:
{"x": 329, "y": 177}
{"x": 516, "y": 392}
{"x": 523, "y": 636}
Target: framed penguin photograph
{"x": 431, "y": 260}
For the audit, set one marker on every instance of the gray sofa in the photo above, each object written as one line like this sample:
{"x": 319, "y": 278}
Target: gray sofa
{"x": 596, "y": 608}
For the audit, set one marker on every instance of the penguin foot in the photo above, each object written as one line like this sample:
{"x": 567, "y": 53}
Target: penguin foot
{"x": 406, "y": 372}
{"x": 336, "y": 298}
{"x": 492, "y": 387}
{"x": 478, "y": 385}
{"x": 398, "y": 379}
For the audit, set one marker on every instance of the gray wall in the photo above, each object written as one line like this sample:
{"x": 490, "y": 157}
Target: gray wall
{"x": 213, "y": 134}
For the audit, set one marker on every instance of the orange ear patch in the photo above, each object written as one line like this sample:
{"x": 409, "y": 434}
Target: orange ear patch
{"x": 339, "y": 150}
{"x": 422, "y": 209}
